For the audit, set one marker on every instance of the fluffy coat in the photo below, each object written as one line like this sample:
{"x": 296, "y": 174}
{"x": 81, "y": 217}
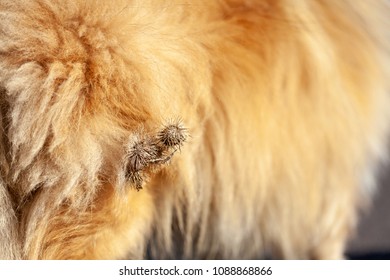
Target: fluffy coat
{"x": 284, "y": 105}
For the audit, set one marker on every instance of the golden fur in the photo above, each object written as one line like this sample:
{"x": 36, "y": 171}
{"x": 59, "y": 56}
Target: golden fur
{"x": 285, "y": 104}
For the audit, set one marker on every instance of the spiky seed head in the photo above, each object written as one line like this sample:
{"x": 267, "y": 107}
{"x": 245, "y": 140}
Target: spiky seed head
{"x": 173, "y": 135}
{"x": 146, "y": 151}
{"x": 136, "y": 179}
{"x": 140, "y": 154}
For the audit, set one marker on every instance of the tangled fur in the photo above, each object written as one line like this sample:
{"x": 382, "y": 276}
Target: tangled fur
{"x": 286, "y": 105}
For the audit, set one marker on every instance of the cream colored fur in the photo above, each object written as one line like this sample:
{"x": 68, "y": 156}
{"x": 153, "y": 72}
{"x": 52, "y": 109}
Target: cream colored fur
{"x": 285, "y": 102}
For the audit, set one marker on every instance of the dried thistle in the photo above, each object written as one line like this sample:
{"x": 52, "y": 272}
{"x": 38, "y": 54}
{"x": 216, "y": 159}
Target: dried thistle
{"x": 141, "y": 154}
{"x": 136, "y": 179}
{"x": 149, "y": 151}
{"x": 173, "y": 135}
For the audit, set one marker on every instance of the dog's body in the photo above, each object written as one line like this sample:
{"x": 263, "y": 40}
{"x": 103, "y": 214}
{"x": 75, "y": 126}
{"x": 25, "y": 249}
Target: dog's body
{"x": 283, "y": 109}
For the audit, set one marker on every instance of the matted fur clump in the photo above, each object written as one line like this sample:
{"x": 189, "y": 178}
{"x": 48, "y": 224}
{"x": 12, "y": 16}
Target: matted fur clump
{"x": 248, "y": 127}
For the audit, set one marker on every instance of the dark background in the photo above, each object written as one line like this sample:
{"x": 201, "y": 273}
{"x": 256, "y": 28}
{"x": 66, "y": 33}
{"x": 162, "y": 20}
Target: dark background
{"x": 373, "y": 237}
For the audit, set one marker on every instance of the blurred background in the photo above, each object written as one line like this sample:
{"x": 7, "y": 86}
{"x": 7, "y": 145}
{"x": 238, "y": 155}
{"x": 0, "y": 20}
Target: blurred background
{"x": 373, "y": 237}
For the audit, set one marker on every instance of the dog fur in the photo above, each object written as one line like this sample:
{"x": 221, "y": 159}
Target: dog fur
{"x": 284, "y": 105}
